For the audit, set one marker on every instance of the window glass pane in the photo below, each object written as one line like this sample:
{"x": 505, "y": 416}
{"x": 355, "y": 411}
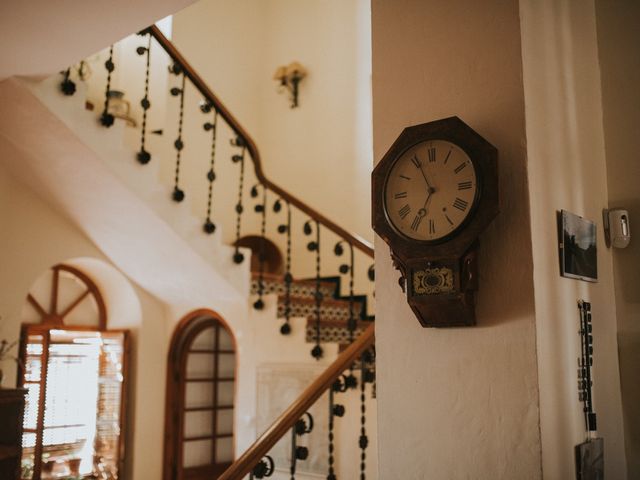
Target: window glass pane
{"x": 200, "y": 365}
{"x": 71, "y": 399}
{"x": 34, "y": 345}
{"x": 31, "y": 406}
{"x": 225, "y": 393}
{"x": 224, "y": 450}
{"x": 82, "y": 403}
{"x": 197, "y": 424}
{"x": 27, "y": 456}
{"x": 226, "y": 365}
{"x": 205, "y": 339}
{"x": 70, "y": 289}
{"x": 226, "y": 342}
{"x": 32, "y": 369}
{"x": 197, "y": 453}
{"x": 198, "y": 395}
{"x": 225, "y": 421}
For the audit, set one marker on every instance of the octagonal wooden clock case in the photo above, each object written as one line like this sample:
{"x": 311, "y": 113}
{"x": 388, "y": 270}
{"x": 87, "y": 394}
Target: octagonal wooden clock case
{"x": 433, "y": 193}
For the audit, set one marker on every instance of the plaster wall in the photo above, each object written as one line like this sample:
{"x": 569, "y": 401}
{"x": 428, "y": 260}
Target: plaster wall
{"x": 567, "y": 170}
{"x": 41, "y": 37}
{"x": 26, "y": 253}
{"x": 237, "y": 46}
{"x": 466, "y": 403}
{"x": 618, "y": 34}
{"x": 257, "y": 333}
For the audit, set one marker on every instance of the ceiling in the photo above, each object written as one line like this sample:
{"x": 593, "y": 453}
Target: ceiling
{"x": 41, "y": 37}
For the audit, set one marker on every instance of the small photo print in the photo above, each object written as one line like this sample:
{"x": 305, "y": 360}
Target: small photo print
{"x": 578, "y": 253}
{"x": 590, "y": 460}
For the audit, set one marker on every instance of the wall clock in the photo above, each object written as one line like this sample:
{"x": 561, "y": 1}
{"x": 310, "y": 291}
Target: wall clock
{"x": 433, "y": 193}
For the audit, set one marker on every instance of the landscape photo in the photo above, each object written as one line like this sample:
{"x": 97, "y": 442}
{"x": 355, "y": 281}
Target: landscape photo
{"x": 578, "y": 253}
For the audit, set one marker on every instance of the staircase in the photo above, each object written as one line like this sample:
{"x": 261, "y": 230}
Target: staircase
{"x": 335, "y": 312}
{"x": 325, "y": 258}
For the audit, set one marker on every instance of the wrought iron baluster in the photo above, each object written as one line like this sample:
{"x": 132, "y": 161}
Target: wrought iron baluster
{"x": 299, "y": 452}
{"x": 314, "y": 246}
{"x": 285, "y": 329}
{"x": 350, "y": 269}
{"x": 143, "y": 155}
{"x": 209, "y": 226}
{"x": 262, "y": 210}
{"x": 67, "y": 86}
{"x": 238, "y": 257}
{"x": 366, "y": 376}
{"x": 106, "y": 119}
{"x": 263, "y": 469}
{"x": 178, "y": 194}
{"x": 335, "y": 410}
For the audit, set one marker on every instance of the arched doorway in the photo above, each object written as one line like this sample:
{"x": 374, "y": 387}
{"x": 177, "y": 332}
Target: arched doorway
{"x": 201, "y": 368}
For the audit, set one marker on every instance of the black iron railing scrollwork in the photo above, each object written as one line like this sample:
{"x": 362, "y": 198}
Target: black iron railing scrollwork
{"x": 178, "y": 194}
{"x": 209, "y": 227}
{"x": 107, "y": 118}
{"x": 314, "y": 246}
{"x": 143, "y": 155}
{"x": 335, "y": 410}
{"x": 263, "y": 469}
{"x": 261, "y": 208}
{"x": 238, "y": 257}
{"x": 304, "y": 426}
{"x": 285, "y": 228}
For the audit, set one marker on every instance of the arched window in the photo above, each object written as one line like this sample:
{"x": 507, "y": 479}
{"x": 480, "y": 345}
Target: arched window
{"x": 74, "y": 371}
{"x": 200, "y": 398}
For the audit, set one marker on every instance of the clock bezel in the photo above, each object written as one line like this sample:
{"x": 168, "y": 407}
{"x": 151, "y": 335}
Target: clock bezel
{"x": 472, "y": 209}
{"x": 484, "y": 157}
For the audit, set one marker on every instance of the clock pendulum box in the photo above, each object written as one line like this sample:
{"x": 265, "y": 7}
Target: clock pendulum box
{"x": 439, "y": 272}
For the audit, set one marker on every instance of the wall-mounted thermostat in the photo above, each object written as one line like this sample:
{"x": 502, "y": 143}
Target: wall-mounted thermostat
{"x": 617, "y": 232}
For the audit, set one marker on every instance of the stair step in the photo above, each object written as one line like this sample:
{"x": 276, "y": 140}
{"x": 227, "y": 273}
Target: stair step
{"x": 305, "y": 288}
{"x": 330, "y": 309}
{"x": 333, "y": 331}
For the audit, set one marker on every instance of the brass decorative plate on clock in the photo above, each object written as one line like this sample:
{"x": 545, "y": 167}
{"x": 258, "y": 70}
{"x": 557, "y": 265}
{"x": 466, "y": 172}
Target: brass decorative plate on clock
{"x": 434, "y": 192}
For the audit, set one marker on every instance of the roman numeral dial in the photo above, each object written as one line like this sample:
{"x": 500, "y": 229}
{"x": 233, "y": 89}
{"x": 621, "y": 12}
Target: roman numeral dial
{"x": 431, "y": 190}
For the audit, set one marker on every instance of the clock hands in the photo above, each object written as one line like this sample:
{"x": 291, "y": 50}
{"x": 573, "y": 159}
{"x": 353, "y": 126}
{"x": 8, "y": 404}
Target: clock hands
{"x": 423, "y": 211}
{"x": 424, "y": 175}
{"x": 430, "y": 192}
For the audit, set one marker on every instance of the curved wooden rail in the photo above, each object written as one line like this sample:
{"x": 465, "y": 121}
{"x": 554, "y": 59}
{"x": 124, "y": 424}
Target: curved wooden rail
{"x": 357, "y": 241}
{"x": 243, "y": 465}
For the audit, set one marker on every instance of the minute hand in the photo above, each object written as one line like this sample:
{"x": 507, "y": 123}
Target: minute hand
{"x": 425, "y": 177}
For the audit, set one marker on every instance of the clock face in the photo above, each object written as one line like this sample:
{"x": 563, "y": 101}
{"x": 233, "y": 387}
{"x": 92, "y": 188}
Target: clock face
{"x": 431, "y": 190}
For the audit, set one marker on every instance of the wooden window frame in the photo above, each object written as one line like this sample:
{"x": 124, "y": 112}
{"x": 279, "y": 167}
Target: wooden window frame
{"x": 183, "y": 336}
{"x": 52, "y": 319}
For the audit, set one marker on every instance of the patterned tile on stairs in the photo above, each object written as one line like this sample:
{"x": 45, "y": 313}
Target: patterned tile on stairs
{"x": 330, "y": 309}
{"x": 333, "y": 331}
{"x": 299, "y": 288}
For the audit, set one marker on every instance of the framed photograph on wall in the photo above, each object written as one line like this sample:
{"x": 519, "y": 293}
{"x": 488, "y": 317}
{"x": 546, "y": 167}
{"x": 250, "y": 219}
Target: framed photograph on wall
{"x": 590, "y": 460}
{"x": 578, "y": 252}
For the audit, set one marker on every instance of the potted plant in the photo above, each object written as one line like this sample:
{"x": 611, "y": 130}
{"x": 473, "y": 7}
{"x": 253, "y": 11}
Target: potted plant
{"x": 74, "y": 467}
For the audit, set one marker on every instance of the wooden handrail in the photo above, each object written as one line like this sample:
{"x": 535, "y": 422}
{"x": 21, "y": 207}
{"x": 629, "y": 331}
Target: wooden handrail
{"x": 243, "y": 465}
{"x": 357, "y": 241}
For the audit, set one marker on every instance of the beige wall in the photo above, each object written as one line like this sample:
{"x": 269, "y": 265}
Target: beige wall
{"x": 567, "y": 170}
{"x": 35, "y": 237}
{"x": 618, "y": 36}
{"x": 42, "y": 37}
{"x": 320, "y": 152}
{"x": 326, "y": 142}
{"x": 458, "y": 403}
